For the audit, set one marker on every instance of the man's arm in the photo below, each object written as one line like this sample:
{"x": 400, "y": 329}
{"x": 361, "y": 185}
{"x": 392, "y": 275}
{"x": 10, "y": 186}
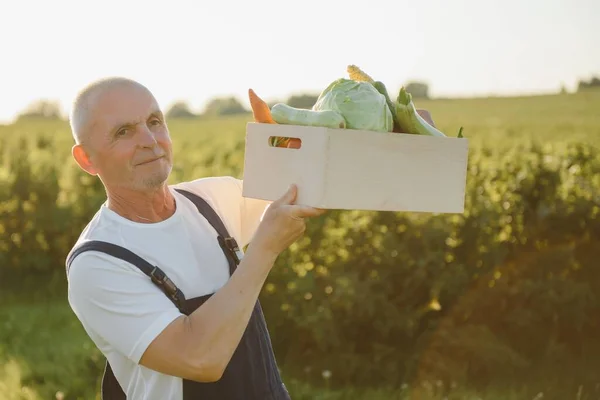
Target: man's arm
{"x": 199, "y": 346}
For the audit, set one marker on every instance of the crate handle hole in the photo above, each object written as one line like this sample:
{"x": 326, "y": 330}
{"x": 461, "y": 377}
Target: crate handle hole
{"x": 285, "y": 142}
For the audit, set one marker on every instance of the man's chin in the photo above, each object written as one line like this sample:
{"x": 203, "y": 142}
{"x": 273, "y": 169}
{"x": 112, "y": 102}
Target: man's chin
{"x": 153, "y": 181}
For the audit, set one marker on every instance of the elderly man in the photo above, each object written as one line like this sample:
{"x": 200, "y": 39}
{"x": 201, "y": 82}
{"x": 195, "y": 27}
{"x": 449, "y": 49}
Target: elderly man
{"x": 157, "y": 277}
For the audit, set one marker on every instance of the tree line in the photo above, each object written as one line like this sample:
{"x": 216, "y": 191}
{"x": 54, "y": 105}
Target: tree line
{"x": 217, "y": 106}
{"x": 230, "y": 105}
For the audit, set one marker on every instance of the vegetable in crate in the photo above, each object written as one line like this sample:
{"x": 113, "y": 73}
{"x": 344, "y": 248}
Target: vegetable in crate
{"x": 359, "y": 75}
{"x": 361, "y": 105}
{"x": 409, "y": 118}
{"x": 284, "y": 114}
{"x": 260, "y": 109}
{"x": 262, "y": 114}
{"x": 356, "y": 103}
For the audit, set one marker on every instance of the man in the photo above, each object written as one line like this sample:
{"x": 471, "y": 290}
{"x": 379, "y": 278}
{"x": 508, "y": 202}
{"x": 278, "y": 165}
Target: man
{"x": 213, "y": 344}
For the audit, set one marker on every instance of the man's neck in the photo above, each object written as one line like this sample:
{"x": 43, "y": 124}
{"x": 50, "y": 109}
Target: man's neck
{"x": 142, "y": 206}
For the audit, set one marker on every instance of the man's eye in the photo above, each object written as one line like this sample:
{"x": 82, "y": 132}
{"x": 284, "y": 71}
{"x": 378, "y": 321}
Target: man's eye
{"x": 155, "y": 121}
{"x": 121, "y": 132}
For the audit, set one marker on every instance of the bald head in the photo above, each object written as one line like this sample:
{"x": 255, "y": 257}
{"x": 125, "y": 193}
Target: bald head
{"x": 121, "y": 135}
{"x": 82, "y": 110}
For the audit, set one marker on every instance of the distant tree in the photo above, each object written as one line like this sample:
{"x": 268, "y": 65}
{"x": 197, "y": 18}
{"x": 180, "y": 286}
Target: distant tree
{"x": 563, "y": 89}
{"x": 592, "y": 83}
{"x": 179, "y": 109}
{"x": 306, "y": 101}
{"x": 224, "y": 106}
{"x": 418, "y": 89}
{"x": 46, "y": 109}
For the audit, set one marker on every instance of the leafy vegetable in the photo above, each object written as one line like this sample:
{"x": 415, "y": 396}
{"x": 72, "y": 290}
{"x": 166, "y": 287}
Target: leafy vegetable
{"x": 361, "y": 105}
{"x": 383, "y": 90}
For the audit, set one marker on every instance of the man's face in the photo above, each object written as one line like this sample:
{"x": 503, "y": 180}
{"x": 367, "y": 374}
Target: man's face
{"x": 128, "y": 140}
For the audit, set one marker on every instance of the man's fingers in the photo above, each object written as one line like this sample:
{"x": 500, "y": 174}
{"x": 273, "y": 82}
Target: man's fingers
{"x": 426, "y": 116}
{"x": 297, "y": 211}
{"x": 288, "y": 197}
{"x": 306, "y": 211}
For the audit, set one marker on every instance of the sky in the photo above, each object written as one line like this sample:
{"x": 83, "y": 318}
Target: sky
{"x": 197, "y": 50}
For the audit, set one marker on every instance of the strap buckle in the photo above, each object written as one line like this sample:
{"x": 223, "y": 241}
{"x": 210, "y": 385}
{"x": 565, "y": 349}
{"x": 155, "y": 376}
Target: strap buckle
{"x": 161, "y": 279}
{"x": 233, "y": 248}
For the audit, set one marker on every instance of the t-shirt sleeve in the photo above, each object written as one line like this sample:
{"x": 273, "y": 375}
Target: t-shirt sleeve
{"x": 241, "y": 215}
{"x": 120, "y": 305}
{"x": 251, "y": 213}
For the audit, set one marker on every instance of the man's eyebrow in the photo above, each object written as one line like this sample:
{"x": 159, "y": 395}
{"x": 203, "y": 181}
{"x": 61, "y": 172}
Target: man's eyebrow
{"x": 121, "y": 125}
{"x": 157, "y": 113}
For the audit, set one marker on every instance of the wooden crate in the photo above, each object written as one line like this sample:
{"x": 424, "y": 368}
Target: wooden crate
{"x": 356, "y": 169}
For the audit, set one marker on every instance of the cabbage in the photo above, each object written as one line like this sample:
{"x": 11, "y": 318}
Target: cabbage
{"x": 361, "y": 105}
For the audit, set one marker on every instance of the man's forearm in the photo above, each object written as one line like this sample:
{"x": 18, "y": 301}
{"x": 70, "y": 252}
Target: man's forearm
{"x": 215, "y": 328}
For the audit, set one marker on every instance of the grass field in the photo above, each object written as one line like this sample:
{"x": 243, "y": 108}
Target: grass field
{"x": 44, "y": 350}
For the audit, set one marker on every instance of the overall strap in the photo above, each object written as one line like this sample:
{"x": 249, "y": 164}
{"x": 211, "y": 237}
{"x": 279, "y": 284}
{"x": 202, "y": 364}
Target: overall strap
{"x": 228, "y": 243}
{"x": 153, "y": 271}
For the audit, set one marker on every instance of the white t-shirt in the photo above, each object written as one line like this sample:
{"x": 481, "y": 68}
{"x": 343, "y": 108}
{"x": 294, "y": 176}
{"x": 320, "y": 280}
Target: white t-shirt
{"x": 121, "y": 310}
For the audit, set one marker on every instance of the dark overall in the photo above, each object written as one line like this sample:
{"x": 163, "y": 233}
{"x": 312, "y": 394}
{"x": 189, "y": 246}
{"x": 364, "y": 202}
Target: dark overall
{"x": 252, "y": 372}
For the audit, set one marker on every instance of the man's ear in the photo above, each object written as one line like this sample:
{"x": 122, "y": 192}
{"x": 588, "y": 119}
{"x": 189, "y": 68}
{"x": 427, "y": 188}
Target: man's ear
{"x": 83, "y": 159}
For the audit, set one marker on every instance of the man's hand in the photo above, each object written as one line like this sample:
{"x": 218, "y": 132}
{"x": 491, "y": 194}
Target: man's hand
{"x": 426, "y": 116}
{"x": 283, "y": 223}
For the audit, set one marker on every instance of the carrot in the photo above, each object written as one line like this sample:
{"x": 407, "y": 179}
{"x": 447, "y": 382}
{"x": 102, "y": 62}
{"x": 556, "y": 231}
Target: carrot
{"x": 294, "y": 143}
{"x": 260, "y": 109}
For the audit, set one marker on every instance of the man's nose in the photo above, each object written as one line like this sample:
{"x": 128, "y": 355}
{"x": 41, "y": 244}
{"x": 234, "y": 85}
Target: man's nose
{"x": 146, "y": 137}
